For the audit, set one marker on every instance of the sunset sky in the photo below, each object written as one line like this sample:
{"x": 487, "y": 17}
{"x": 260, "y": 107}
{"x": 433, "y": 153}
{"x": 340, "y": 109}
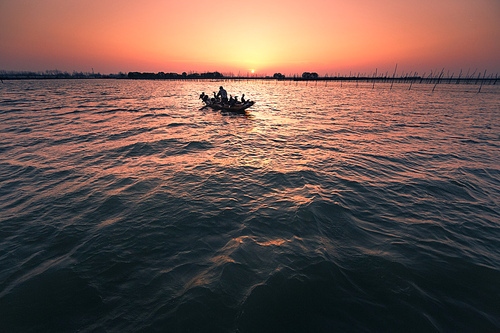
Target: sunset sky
{"x": 269, "y": 36}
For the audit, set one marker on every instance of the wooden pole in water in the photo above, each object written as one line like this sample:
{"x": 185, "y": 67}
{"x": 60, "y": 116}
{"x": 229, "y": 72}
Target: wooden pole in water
{"x": 439, "y": 78}
{"x": 472, "y": 75}
{"x": 484, "y": 76}
{"x": 394, "y": 75}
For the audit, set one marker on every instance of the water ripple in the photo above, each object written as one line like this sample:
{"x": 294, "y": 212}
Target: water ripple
{"x": 126, "y": 208}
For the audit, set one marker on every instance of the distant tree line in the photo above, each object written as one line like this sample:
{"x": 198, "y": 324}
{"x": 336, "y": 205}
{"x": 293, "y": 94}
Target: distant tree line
{"x": 184, "y": 75}
{"x": 56, "y": 74}
{"x": 305, "y": 75}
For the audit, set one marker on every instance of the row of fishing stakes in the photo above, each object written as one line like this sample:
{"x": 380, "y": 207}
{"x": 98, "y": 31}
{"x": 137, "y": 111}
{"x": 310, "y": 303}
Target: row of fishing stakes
{"x": 433, "y": 78}
{"x": 408, "y": 78}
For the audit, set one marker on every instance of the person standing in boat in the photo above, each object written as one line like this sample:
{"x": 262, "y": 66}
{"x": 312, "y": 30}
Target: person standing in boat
{"x": 223, "y": 94}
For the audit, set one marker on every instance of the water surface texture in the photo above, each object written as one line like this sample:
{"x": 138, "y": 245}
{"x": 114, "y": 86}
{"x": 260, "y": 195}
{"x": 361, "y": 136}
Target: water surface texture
{"x": 326, "y": 208}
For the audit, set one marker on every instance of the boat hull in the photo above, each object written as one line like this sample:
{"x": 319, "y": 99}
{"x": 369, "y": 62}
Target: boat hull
{"x": 240, "y": 107}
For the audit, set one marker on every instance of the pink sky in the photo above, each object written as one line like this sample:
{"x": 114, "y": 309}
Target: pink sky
{"x": 269, "y": 36}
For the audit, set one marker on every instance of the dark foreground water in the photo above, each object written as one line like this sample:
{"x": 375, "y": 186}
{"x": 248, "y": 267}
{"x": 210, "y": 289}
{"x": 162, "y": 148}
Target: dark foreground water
{"x": 125, "y": 208}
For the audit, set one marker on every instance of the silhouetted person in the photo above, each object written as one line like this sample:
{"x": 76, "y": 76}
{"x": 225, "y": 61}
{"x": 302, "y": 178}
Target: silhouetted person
{"x": 216, "y": 98}
{"x": 204, "y": 97}
{"x": 223, "y": 94}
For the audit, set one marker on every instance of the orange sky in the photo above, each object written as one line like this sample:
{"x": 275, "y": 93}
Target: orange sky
{"x": 287, "y": 36}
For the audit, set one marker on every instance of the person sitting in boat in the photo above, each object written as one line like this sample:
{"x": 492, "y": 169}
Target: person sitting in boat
{"x": 215, "y": 98}
{"x": 204, "y": 97}
{"x": 222, "y": 94}
{"x": 243, "y": 99}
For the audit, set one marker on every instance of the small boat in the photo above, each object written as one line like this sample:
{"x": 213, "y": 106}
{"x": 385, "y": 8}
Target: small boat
{"x": 236, "y": 107}
{"x": 232, "y": 106}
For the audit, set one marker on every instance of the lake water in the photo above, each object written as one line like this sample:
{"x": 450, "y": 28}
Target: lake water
{"x": 326, "y": 208}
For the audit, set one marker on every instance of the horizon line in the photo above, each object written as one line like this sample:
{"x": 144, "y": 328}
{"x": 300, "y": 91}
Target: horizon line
{"x": 13, "y": 74}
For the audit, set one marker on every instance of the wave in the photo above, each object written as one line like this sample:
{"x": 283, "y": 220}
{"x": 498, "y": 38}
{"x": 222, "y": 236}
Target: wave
{"x": 372, "y": 210}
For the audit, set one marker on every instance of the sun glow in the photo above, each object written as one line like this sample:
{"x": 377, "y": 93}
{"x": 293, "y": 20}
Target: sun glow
{"x": 320, "y": 36}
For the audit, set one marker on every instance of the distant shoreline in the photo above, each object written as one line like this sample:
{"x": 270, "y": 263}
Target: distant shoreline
{"x": 474, "y": 78}
{"x": 450, "y": 80}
